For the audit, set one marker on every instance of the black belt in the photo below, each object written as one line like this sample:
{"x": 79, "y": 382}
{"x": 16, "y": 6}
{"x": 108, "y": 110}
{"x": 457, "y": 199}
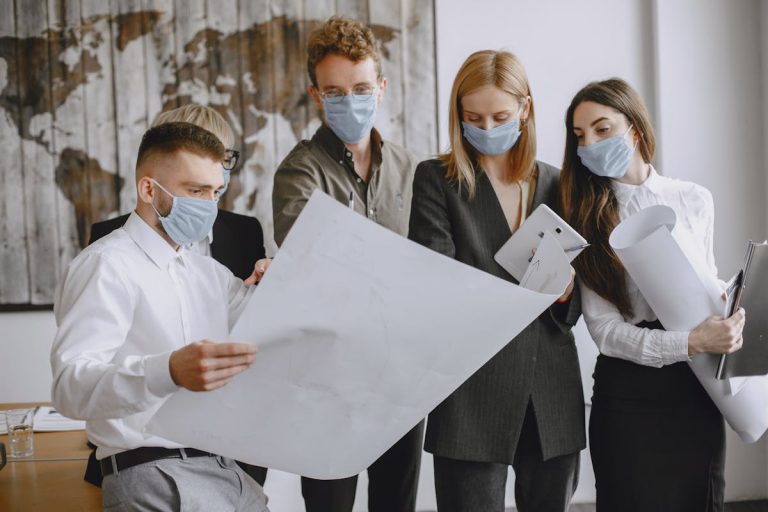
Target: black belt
{"x": 127, "y": 459}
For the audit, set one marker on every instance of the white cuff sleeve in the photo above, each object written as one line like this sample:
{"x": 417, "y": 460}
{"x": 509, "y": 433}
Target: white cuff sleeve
{"x": 158, "y": 372}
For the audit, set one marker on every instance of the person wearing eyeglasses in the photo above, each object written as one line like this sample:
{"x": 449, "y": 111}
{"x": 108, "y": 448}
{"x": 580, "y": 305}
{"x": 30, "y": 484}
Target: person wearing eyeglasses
{"x": 139, "y": 317}
{"x": 347, "y": 159}
{"x": 236, "y": 241}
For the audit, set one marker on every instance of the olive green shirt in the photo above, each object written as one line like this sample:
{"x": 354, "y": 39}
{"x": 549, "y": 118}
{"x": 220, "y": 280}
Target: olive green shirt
{"x": 325, "y": 163}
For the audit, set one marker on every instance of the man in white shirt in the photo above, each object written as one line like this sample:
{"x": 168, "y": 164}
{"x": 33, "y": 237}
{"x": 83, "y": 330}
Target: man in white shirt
{"x": 139, "y": 316}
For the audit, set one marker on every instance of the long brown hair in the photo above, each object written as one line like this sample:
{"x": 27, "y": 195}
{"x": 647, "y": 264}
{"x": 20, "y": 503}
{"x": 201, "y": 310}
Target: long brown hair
{"x": 588, "y": 201}
{"x": 505, "y": 71}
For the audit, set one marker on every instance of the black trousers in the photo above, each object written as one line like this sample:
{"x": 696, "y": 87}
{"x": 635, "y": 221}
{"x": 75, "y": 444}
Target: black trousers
{"x": 540, "y": 485}
{"x": 656, "y": 439}
{"x": 392, "y": 481}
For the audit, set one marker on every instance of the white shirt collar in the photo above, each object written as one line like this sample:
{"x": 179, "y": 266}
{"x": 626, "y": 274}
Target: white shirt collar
{"x": 150, "y": 241}
{"x": 625, "y": 191}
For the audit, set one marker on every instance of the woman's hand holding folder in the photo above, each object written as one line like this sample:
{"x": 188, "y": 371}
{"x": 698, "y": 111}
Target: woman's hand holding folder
{"x": 717, "y": 335}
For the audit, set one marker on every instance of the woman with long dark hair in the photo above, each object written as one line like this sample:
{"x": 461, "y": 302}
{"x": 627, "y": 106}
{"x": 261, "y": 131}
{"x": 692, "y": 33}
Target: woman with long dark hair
{"x": 656, "y": 439}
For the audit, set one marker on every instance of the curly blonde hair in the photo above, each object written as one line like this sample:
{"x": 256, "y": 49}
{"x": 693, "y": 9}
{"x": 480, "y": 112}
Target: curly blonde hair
{"x": 342, "y": 36}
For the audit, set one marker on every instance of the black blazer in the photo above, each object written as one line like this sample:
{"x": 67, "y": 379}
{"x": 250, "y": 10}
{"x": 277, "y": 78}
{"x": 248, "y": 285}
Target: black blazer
{"x": 482, "y": 419}
{"x": 238, "y": 241}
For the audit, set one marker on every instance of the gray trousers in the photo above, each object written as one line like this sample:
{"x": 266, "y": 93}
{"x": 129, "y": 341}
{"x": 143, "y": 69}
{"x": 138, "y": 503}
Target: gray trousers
{"x": 190, "y": 484}
{"x": 540, "y": 485}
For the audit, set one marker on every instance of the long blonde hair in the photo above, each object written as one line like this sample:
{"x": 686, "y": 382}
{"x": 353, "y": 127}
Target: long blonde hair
{"x": 202, "y": 116}
{"x": 504, "y": 70}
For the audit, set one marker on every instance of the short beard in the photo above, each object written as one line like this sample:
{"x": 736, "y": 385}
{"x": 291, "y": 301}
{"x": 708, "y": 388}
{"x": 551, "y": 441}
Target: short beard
{"x": 163, "y": 209}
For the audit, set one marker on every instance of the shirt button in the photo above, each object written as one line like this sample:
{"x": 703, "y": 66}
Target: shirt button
{"x": 341, "y": 161}
{"x": 359, "y": 180}
{"x": 349, "y": 155}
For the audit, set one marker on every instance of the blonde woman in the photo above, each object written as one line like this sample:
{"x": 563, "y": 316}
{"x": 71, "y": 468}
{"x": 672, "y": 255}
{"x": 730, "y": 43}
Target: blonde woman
{"x": 525, "y": 407}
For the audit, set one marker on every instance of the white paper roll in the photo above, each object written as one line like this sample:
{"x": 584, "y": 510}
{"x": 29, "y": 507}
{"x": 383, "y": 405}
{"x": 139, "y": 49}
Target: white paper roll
{"x": 683, "y": 294}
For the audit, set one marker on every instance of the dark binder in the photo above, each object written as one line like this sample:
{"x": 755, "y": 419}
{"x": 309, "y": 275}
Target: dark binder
{"x": 750, "y": 291}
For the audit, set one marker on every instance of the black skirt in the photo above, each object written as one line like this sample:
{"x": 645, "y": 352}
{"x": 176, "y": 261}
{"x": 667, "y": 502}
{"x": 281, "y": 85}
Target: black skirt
{"x": 656, "y": 439}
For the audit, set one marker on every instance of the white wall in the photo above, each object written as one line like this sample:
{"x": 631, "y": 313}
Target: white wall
{"x": 25, "y": 344}
{"x": 764, "y": 32}
{"x": 698, "y": 64}
{"x": 709, "y": 75}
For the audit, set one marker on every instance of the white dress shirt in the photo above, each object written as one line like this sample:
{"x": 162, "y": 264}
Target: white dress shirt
{"x": 124, "y": 304}
{"x": 203, "y": 246}
{"x": 617, "y": 336}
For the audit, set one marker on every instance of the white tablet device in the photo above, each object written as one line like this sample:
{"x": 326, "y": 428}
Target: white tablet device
{"x": 515, "y": 254}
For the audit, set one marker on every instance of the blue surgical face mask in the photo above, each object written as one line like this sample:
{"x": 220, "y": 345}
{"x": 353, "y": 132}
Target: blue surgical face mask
{"x": 495, "y": 141}
{"x": 190, "y": 219}
{"x": 609, "y": 158}
{"x": 351, "y": 117}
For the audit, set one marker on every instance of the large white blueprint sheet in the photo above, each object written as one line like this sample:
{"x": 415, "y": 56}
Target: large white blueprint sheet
{"x": 683, "y": 294}
{"x": 361, "y": 333}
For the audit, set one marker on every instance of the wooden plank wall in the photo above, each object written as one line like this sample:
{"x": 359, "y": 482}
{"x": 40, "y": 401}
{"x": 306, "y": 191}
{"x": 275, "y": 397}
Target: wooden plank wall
{"x": 81, "y": 80}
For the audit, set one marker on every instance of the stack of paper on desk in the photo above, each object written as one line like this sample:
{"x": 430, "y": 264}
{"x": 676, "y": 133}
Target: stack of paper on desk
{"x": 361, "y": 333}
{"x": 47, "y": 419}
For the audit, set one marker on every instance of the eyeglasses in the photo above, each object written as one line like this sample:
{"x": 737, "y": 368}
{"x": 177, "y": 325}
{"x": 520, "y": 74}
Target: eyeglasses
{"x": 230, "y": 159}
{"x": 359, "y": 93}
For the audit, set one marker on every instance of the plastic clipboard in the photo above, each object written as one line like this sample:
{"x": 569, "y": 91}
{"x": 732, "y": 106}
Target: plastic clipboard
{"x": 515, "y": 254}
{"x": 748, "y": 291}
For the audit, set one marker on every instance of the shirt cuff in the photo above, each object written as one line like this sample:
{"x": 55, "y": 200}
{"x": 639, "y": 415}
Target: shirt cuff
{"x": 678, "y": 347}
{"x": 158, "y": 371}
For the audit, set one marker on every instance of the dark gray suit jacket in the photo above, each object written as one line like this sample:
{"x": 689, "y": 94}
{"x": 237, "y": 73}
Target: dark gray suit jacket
{"x": 481, "y": 421}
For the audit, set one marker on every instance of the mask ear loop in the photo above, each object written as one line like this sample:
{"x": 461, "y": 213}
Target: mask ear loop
{"x": 153, "y": 203}
{"x": 638, "y": 139}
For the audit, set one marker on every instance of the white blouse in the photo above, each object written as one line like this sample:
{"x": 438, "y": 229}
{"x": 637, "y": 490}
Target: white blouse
{"x": 617, "y": 336}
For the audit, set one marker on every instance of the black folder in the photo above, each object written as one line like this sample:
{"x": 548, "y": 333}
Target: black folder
{"x": 750, "y": 291}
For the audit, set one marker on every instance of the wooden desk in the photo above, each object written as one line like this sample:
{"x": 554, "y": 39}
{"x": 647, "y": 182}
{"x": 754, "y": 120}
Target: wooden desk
{"x": 52, "y": 479}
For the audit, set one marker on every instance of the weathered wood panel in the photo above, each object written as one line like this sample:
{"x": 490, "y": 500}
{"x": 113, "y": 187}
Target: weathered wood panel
{"x": 36, "y": 158}
{"x": 80, "y": 80}
{"x": 159, "y": 54}
{"x": 224, "y": 69}
{"x": 68, "y": 137}
{"x": 314, "y": 14}
{"x": 355, "y": 9}
{"x": 419, "y": 77}
{"x": 100, "y": 162}
{"x": 130, "y": 90}
{"x": 389, "y": 120}
{"x": 14, "y": 263}
{"x": 191, "y": 52}
{"x": 249, "y": 186}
